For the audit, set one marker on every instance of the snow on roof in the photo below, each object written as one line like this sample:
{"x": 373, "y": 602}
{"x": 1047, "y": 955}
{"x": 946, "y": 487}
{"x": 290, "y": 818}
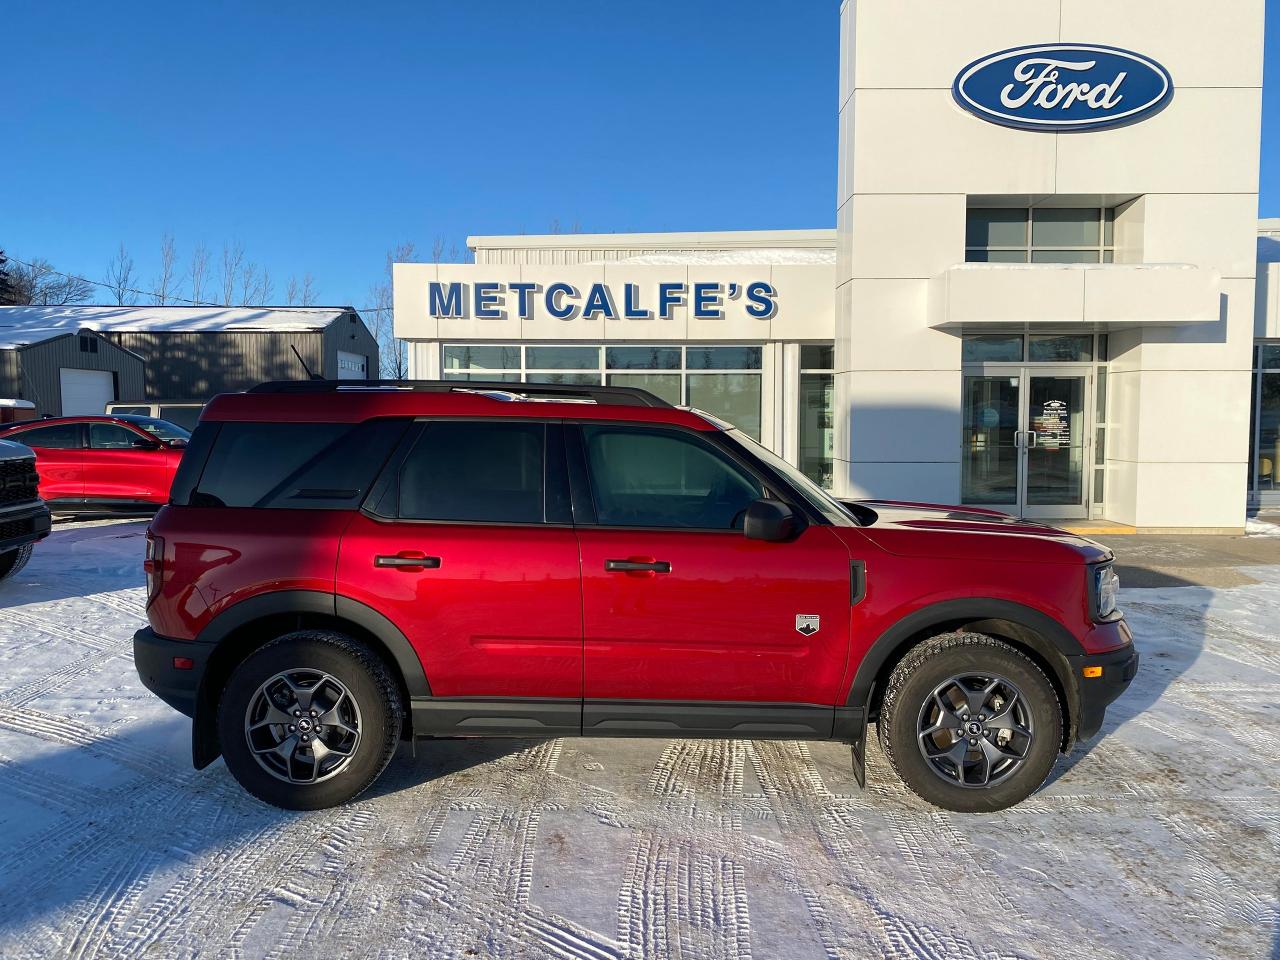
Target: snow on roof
{"x": 755, "y": 255}
{"x": 20, "y": 326}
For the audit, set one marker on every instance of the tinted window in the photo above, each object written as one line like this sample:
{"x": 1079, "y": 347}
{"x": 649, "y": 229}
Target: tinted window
{"x": 184, "y": 417}
{"x": 111, "y": 436}
{"x": 64, "y": 436}
{"x": 301, "y": 466}
{"x": 643, "y": 477}
{"x": 483, "y": 472}
{"x": 117, "y": 410}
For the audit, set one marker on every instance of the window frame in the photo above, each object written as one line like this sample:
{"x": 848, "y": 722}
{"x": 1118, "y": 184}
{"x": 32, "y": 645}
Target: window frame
{"x": 127, "y": 428}
{"x": 1028, "y": 248}
{"x": 82, "y": 436}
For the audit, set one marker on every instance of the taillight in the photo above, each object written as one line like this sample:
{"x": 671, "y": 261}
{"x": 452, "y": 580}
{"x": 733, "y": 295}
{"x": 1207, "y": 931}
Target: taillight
{"x": 153, "y": 565}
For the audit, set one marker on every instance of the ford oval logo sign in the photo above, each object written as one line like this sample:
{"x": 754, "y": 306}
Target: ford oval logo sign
{"x": 1063, "y": 86}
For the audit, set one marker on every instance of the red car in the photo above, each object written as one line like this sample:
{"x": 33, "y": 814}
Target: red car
{"x": 344, "y": 566}
{"x": 111, "y": 464}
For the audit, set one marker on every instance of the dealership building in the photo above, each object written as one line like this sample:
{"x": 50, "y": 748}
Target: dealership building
{"x": 1047, "y": 292}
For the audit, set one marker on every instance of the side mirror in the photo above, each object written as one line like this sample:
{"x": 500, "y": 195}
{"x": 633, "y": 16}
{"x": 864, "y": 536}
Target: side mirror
{"x": 176, "y": 444}
{"x": 770, "y": 520}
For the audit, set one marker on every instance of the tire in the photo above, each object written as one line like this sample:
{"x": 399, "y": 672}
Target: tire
{"x": 337, "y": 677}
{"x": 12, "y": 561}
{"x": 1021, "y": 721}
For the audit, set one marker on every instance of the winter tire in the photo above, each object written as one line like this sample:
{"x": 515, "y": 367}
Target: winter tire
{"x": 310, "y": 720}
{"x": 970, "y": 723}
{"x": 11, "y": 561}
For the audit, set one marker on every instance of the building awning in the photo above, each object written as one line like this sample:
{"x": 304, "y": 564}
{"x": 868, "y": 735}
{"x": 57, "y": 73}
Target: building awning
{"x": 1097, "y": 296}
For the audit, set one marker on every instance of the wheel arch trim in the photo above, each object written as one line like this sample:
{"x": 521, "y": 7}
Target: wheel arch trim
{"x": 281, "y": 603}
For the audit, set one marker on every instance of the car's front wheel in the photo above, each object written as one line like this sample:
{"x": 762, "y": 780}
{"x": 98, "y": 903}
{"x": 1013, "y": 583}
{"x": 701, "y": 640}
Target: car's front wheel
{"x": 12, "y": 561}
{"x": 309, "y": 720}
{"x": 970, "y": 723}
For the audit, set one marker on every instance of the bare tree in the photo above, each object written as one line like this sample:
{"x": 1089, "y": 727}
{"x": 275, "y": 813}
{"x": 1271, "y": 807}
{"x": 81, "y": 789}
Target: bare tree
{"x": 437, "y": 249}
{"x": 165, "y": 286}
{"x": 120, "y": 279}
{"x": 301, "y": 294}
{"x": 454, "y": 255}
{"x": 255, "y": 285}
{"x": 199, "y": 271}
{"x": 308, "y": 298}
{"x": 37, "y": 283}
{"x": 292, "y": 292}
{"x": 393, "y": 353}
{"x": 232, "y": 259}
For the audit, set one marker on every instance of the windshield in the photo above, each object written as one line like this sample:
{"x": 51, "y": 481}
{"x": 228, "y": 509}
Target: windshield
{"x": 818, "y": 498}
{"x": 159, "y": 428}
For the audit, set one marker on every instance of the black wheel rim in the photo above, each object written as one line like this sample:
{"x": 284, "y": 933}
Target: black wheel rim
{"x": 302, "y": 726}
{"x": 975, "y": 731}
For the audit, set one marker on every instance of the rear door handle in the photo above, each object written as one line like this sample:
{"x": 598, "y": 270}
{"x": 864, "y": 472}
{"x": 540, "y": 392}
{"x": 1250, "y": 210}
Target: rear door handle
{"x": 408, "y": 561}
{"x": 638, "y": 566}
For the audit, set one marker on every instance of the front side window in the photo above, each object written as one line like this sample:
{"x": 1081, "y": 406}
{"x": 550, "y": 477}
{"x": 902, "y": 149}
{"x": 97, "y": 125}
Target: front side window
{"x": 64, "y": 436}
{"x": 479, "y": 472}
{"x": 111, "y": 436}
{"x": 650, "y": 477}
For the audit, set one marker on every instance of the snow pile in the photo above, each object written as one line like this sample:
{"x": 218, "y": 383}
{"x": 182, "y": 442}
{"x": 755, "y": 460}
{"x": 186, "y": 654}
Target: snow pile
{"x": 1258, "y": 527}
{"x": 759, "y": 256}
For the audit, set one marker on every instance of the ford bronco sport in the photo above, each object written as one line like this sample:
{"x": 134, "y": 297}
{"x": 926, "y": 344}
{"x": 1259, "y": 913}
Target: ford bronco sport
{"x": 24, "y": 518}
{"x": 343, "y": 566}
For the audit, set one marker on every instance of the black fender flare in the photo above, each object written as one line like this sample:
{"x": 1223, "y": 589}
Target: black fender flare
{"x": 204, "y": 737}
{"x": 1038, "y": 631}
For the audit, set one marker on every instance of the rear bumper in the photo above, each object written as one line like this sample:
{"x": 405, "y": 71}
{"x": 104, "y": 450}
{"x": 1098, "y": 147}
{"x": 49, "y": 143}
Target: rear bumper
{"x": 22, "y": 525}
{"x": 1119, "y": 667}
{"x": 153, "y": 656}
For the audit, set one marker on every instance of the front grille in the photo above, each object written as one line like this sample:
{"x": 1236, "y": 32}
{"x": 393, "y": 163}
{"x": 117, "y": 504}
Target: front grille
{"x": 11, "y": 529}
{"x": 18, "y": 481}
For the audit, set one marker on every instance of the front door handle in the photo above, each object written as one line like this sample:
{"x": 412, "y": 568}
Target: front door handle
{"x": 408, "y": 561}
{"x": 637, "y": 566}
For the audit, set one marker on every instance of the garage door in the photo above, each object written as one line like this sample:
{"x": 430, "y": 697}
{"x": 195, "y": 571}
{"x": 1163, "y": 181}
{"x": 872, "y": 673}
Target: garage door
{"x": 352, "y": 366}
{"x": 86, "y": 391}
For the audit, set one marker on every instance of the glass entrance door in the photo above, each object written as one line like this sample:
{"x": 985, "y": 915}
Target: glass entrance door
{"x": 1024, "y": 441}
{"x": 1053, "y": 445}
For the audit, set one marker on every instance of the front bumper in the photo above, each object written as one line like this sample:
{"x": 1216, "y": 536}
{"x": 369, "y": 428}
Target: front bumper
{"x": 153, "y": 656}
{"x": 1119, "y": 667}
{"x": 23, "y": 525}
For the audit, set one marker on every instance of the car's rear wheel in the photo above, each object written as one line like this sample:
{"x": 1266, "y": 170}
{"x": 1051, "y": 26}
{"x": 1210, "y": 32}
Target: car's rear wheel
{"x": 12, "y": 561}
{"x": 310, "y": 720}
{"x": 970, "y": 723}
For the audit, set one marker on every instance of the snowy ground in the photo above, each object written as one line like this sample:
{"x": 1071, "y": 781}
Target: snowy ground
{"x": 1157, "y": 840}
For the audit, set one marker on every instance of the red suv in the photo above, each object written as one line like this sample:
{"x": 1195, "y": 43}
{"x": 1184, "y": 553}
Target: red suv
{"x": 111, "y": 464}
{"x": 344, "y": 566}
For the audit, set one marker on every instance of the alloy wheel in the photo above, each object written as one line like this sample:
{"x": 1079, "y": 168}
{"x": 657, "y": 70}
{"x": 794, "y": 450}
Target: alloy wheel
{"x": 975, "y": 731}
{"x": 302, "y": 726}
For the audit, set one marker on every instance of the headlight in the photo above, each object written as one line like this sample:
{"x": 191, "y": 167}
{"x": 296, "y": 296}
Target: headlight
{"x": 1106, "y": 591}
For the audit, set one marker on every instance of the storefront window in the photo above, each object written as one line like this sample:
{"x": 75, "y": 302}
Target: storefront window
{"x": 728, "y": 382}
{"x": 1040, "y": 235}
{"x": 992, "y": 348}
{"x": 1071, "y": 348}
{"x": 816, "y": 446}
{"x": 1265, "y": 435}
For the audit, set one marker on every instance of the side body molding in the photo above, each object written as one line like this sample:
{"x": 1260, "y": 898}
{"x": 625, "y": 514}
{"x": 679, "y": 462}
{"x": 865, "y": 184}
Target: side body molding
{"x": 302, "y": 604}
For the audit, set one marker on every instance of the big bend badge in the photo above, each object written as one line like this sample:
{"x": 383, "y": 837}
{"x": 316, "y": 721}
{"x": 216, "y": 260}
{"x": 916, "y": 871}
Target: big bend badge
{"x": 807, "y": 623}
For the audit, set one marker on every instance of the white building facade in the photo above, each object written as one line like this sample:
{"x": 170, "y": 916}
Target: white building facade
{"x": 1044, "y": 293}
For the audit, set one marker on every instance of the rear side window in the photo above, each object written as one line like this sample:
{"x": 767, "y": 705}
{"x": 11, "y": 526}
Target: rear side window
{"x": 64, "y": 436}
{"x": 299, "y": 466}
{"x": 483, "y": 472}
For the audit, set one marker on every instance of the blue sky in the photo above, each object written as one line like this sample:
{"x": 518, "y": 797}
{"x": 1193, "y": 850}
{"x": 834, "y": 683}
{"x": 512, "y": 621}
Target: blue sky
{"x": 320, "y": 134}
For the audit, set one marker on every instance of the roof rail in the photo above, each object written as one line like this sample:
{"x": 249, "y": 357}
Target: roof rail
{"x": 620, "y": 396}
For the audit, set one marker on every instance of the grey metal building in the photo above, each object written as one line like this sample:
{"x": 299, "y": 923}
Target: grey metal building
{"x": 193, "y": 353}
{"x": 72, "y": 372}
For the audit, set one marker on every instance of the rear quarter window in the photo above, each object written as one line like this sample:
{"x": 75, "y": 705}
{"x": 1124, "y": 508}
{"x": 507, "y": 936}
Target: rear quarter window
{"x": 298, "y": 466}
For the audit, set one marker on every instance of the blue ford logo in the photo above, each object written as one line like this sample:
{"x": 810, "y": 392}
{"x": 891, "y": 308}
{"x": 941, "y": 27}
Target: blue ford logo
{"x": 1063, "y": 86}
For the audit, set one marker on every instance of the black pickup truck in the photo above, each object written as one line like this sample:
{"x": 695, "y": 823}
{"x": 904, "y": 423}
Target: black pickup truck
{"x": 24, "y": 518}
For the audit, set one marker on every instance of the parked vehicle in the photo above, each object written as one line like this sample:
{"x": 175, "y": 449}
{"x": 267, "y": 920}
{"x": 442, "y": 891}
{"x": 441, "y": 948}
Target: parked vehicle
{"x": 88, "y": 465}
{"x": 183, "y": 413}
{"x": 15, "y": 411}
{"x": 24, "y": 519}
{"x": 344, "y": 566}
